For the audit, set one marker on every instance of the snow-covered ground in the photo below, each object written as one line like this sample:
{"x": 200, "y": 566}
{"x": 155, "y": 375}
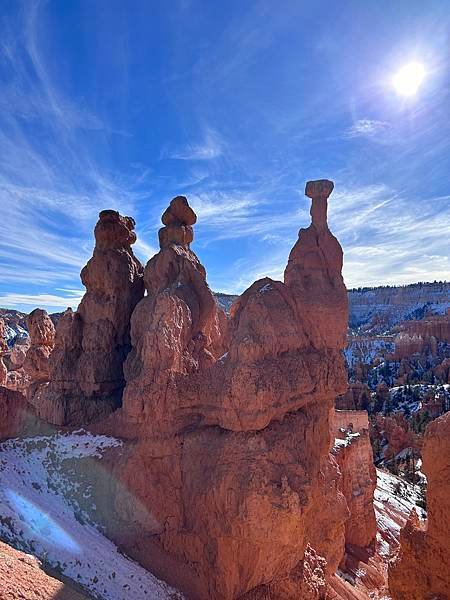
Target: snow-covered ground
{"x": 378, "y": 309}
{"x": 12, "y": 334}
{"x": 365, "y": 350}
{"x": 39, "y": 515}
{"x": 411, "y": 398}
{"x": 394, "y": 499}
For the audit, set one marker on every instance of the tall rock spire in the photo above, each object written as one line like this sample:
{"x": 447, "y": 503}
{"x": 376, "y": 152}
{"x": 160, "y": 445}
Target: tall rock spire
{"x": 36, "y": 363}
{"x": 176, "y": 327}
{"x": 86, "y": 367}
{"x": 319, "y": 192}
{"x": 314, "y": 273}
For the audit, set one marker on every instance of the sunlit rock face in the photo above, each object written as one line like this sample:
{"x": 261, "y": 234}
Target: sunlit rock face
{"x": 231, "y": 472}
{"x": 36, "y": 362}
{"x": 17, "y": 377}
{"x": 86, "y": 366}
{"x": 353, "y": 453}
{"x": 19, "y": 352}
{"x": 175, "y": 330}
{"x": 22, "y": 576}
{"x": 421, "y": 569}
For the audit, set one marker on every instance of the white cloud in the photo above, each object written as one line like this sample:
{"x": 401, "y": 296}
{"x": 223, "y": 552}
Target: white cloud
{"x": 210, "y": 147}
{"x": 365, "y": 128}
{"x": 47, "y": 301}
{"x": 144, "y": 251}
{"x": 51, "y": 190}
{"x": 384, "y": 239}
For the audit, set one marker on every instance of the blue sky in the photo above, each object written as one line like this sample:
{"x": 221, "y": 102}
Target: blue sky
{"x": 113, "y": 104}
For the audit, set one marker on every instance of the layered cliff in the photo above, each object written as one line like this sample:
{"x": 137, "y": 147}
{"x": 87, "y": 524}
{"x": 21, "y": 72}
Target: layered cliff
{"x": 378, "y": 309}
{"x": 86, "y": 366}
{"x": 421, "y": 569}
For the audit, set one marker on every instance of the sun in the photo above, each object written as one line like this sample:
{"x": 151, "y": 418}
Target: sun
{"x": 408, "y": 80}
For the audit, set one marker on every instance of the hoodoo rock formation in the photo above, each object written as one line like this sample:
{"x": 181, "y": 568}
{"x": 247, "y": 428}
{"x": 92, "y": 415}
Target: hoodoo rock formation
{"x": 354, "y": 456}
{"x": 175, "y": 329}
{"x": 36, "y": 361}
{"x": 421, "y": 571}
{"x": 86, "y": 366}
{"x": 18, "y": 379}
{"x": 229, "y": 422}
{"x": 314, "y": 274}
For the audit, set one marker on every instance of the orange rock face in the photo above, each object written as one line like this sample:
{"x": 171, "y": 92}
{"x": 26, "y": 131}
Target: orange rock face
{"x": 18, "y": 416}
{"x": 357, "y": 397}
{"x": 36, "y": 361}
{"x": 421, "y": 570}
{"x": 19, "y": 352}
{"x": 397, "y": 432}
{"x": 86, "y": 367}
{"x": 22, "y": 578}
{"x": 437, "y": 327}
{"x": 353, "y": 452}
{"x": 230, "y": 471}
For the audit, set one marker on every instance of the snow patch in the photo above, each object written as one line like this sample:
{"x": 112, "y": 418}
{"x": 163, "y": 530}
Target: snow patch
{"x": 39, "y": 515}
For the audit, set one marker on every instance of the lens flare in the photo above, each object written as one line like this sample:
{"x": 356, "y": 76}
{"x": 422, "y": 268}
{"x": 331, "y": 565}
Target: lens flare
{"x": 39, "y": 525}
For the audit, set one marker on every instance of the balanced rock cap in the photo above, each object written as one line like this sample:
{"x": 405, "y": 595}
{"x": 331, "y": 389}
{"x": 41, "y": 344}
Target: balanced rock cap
{"x": 179, "y": 213}
{"x": 319, "y": 188}
{"x": 113, "y": 230}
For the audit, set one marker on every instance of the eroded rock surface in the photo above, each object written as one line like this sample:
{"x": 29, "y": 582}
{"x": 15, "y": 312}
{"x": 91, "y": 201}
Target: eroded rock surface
{"x": 230, "y": 470}
{"x": 354, "y": 455}
{"x": 17, "y": 415}
{"x": 421, "y": 570}
{"x": 86, "y": 367}
{"x": 23, "y": 578}
{"x": 36, "y": 361}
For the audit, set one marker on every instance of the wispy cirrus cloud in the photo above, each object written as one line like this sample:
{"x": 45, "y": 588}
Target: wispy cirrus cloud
{"x": 211, "y": 146}
{"x": 51, "y": 188}
{"x": 28, "y": 302}
{"x": 382, "y": 240}
{"x": 260, "y": 110}
{"x": 365, "y": 128}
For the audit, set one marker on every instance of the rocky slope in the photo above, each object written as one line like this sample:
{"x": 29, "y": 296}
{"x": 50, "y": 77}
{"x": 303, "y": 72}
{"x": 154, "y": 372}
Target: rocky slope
{"x": 47, "y": 509}
{"x": 3, "y": 351}
{"x": 15, "y": 324}
{"x": 23, "y": 578}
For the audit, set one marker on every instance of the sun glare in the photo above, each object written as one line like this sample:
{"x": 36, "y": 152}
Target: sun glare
{"x": 408, "y": 80}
